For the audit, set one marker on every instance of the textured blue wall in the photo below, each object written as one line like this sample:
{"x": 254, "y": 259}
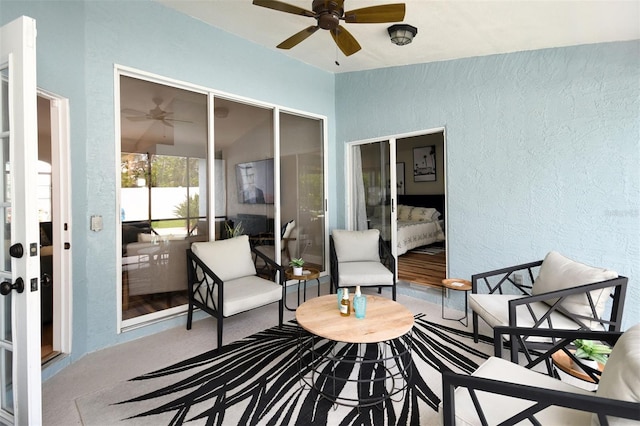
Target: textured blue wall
{"x": 78, "y": 45}
{"x": 543, "y": 151}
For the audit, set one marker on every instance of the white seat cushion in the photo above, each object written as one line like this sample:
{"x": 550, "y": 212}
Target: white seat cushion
{"x": 245, "y": 293}
{"x": 558, "y": 273}
{"x": 356, "y": 246}
{"x": 494, "y": 309}
{"x": 621, "y": 376}
{"x": 228, "y": 259}
{"x": 498, "y": 408}
{"x": 364, "y": 274}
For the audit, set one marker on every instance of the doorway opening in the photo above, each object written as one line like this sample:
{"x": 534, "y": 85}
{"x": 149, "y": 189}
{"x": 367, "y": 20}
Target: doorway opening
{"x": 397, "y": 185}
{"x": 54, "y": 223}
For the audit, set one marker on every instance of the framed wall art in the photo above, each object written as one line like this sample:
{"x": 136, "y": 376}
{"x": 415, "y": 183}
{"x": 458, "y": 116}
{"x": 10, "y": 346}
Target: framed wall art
{"x": 424, "y": 164}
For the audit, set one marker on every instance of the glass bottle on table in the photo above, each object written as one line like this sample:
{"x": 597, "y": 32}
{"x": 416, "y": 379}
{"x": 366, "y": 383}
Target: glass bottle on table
{"x": 345, "y": 305}
{"x": 359, "y": 303}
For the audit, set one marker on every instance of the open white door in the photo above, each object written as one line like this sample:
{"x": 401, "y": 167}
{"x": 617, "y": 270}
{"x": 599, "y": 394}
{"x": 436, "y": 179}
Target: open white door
{"x": 20, "y": 370}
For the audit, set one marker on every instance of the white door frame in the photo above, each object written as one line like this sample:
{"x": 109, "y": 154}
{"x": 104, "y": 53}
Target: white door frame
{"x": 18, "y": 54}
{"x": 61, "y": 211}
{"x": 348, "y": 172}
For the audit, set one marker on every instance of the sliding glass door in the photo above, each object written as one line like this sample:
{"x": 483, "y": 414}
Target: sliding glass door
{"x": 197, "y": 166}
{"x": 371, "y": 191}
{"x": 163, "y": 192}
{"x": 302, "y": 189}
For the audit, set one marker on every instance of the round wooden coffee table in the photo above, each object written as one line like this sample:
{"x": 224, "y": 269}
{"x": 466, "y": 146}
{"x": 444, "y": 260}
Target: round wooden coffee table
{"x": 349, "y": 360}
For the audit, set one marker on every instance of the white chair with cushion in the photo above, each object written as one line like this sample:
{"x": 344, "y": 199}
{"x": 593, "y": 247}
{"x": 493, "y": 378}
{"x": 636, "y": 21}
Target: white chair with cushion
{"x": 361, "y": 258}
{"x": 501, "y": 391}
{"x": 565, "y": 295}
{"x": 223, "y": 280}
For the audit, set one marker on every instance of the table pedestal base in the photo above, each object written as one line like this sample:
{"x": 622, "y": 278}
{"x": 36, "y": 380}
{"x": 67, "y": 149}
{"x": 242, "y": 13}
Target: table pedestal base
{"x": 355, "y": 374}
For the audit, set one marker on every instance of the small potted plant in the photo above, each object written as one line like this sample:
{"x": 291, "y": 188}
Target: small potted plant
{"x": 591, "y": 353}
{"x": 297, "y": 264}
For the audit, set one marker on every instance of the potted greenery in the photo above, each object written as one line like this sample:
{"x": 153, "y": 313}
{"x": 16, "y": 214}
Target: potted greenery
{"x": 297, "y": 264}
{"x": 234, "y": 231}
{"x": 591, "y": 353}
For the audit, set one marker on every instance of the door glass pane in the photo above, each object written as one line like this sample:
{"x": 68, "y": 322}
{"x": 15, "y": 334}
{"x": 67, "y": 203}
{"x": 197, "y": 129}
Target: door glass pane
{"x": 372, "y": 192}
{"x": 302, "y": 187}
{"x": 6, "y": 337}
{"x": 244, "y": 168}
{"x": 163, "y": 194}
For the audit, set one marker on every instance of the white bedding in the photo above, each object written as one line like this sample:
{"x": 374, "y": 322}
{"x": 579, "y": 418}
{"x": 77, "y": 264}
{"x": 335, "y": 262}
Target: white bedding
{"x": 417, "y": 226}
{"x": 415, "y": 234}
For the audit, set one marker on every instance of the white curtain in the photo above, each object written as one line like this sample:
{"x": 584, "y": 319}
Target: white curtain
{"x": 358, "y": 194}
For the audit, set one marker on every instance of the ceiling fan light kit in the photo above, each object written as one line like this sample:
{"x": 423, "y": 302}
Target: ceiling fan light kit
{"x": 329, "y": 13}
{"x": 402, "y": 34}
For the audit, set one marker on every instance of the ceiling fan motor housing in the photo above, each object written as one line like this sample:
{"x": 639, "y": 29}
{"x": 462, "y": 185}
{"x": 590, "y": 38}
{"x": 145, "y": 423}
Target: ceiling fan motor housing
{"x": 328, "y": 13}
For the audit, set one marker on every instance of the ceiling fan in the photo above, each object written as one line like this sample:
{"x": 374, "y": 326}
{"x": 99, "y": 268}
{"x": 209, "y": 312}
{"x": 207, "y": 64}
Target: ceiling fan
{"x": 155, "y": 113}
{"x": 328, "y": 14}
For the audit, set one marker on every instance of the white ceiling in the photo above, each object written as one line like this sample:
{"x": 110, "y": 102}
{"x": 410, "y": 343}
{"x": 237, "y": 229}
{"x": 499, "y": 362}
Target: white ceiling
{"x": 447, "y": 29}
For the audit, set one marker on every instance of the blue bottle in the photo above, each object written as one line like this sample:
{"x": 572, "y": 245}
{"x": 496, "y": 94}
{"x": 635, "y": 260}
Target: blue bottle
{"x": 359, "y": 303}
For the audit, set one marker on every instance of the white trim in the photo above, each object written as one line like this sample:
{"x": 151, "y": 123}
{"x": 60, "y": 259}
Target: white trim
{"x": 61, "y": 209}
{"x": 392, "y": 140}
{"x": 121, "y": 70}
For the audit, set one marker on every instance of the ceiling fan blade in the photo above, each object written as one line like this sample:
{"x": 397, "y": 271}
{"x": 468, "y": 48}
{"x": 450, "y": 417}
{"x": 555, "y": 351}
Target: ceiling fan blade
{"x": 376, "y": 14}
{"x": 132, "y": 111}
{"x": 297, "y": 38}
{"x": 166, "y": 123}
{"x": 177, "y": 121}
{"x": 284, "y": 7}
{"x": 345, "y": 41}
{"x": 140, "y": 118}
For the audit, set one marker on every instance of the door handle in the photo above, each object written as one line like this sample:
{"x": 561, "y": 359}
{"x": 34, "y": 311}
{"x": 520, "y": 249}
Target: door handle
{"x": 16, "y": 250}
{"x": 6, "y": 286}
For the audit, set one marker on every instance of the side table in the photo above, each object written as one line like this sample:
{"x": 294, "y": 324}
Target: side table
{"x": 457, "y": 284}
{"x": 307, "y": 274}
{"x": 562, "y": 361}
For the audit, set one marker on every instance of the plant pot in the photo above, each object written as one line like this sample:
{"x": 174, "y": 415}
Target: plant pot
{"x": 588, "y": 362}
{"x": 297, "y": 270}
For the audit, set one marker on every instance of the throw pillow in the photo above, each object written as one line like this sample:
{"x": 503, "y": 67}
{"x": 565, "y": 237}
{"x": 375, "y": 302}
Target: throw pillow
{"x": 356, "y": 246}
{"x": 621, "y": 376}
{"x": 558, "y": 273}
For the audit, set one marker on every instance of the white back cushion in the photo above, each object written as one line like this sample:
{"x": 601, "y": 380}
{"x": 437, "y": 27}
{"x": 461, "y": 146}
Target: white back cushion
{"x": 228, "y": 259}
{"x": 558, "y": 273}
{"x": 621, "y": 376}
{"x": 356, "y": 246}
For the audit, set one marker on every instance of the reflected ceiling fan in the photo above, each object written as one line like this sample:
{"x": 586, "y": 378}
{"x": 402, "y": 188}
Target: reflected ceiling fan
{"x": 155, "y": 113}
{"x": 328, "y": 14}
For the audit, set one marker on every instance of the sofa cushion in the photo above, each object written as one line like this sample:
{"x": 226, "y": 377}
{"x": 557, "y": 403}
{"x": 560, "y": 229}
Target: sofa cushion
{"x": 558, "y": 273}
{"x": 356, "y": 246}
{"x": 228, "y": 259}
{"x": 364, "y": 274}
{"x": 621, "y": 376}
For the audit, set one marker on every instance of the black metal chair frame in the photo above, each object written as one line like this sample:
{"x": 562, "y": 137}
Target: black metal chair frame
{"x": 542, "y": 397}
{"x": 210, "y": 280}
{"x": 386, "y": 258}
{"x": 505, "y": 277}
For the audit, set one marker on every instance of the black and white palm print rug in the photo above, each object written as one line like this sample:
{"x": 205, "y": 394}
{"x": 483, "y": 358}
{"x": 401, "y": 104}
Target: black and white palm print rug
{"x": 256, "y": 381}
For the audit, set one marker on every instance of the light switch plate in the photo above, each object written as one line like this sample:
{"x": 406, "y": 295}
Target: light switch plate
{"x": 96, "y": 223}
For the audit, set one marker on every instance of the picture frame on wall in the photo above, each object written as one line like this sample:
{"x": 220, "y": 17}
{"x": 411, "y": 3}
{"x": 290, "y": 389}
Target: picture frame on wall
{"x": 255, "y": 182}
{"x": 424, "y": 164}
{"x": 400, "y": 178}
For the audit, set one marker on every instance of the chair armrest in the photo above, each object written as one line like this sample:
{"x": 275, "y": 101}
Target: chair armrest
{"x": 506, "y": 278}
{"x": 194, "y": 262}
{"x": 561, "y": 295}
{"x": 386, "y": 256}
{"x": 541, "y": 397}
{"x": 271, "y": 267}
{"x": 561, "y": 339}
